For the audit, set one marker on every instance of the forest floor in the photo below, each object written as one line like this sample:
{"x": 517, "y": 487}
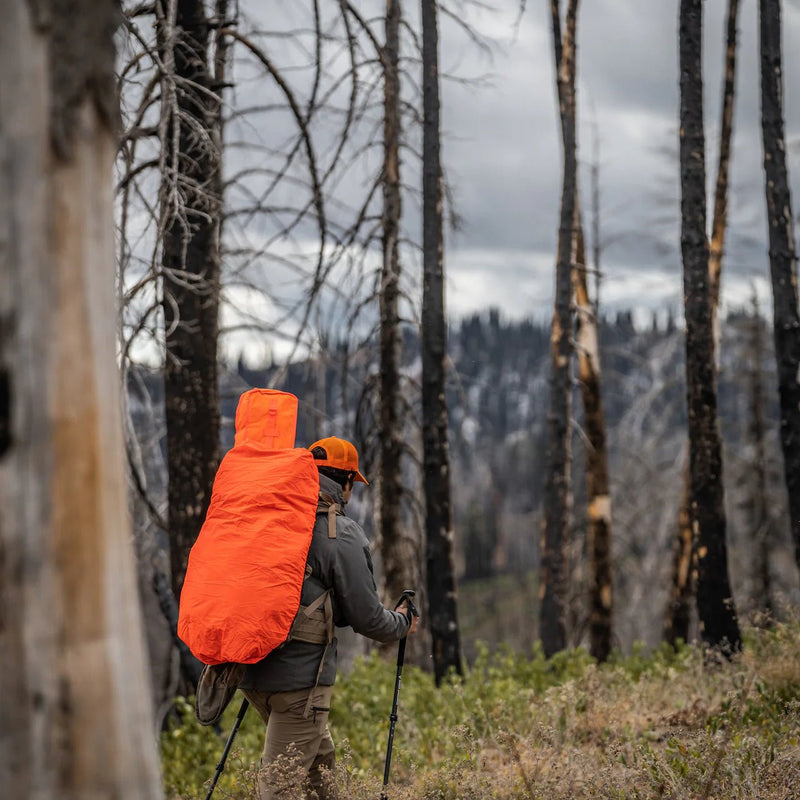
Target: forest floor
{"x": 664, "y": 725}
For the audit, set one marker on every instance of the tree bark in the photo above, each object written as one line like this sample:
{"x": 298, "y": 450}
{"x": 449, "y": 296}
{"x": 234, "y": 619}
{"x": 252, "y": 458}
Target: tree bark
{"x": 75, "y": 702}
{"x": 589, "y": 374}
{"x": 441, "y": 582}
{"x": 598, "y": 490}
{"x": 678, "y": 611}
{"x": 719, "y": 223}
{"x": 782, "y": 255}
{"x": 555, "y": 521}
{"x": 761, "y": 521}
{"x": 398, "y": 548}
{"x": 718, "y": 624}
{"x": 191, "y": 210}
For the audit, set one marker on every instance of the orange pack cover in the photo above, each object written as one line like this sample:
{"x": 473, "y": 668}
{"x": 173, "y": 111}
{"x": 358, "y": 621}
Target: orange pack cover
{"x": 246, "y": 569}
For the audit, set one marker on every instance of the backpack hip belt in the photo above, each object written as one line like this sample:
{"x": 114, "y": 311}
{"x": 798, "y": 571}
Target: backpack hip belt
{"x": 314, "y": 623}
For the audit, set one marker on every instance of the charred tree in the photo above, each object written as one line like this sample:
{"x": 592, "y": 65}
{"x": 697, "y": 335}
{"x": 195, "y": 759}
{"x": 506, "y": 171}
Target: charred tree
{"x": 676, "y": 622}
{"x": 679, "y": 609}
{"x": 398, "y": 550}
{"x": 441, "y": 583}
{"x": 77, "y": 721}
{"x": 719, "y": 225}
{"x": 761, "y": 518}
{"x": 190, "y": 212}
{"x": 587, "y": 350}
{"x": 718, "y": 623}
{"x": 556, "y": 501}
{"x": 782, "y": 255}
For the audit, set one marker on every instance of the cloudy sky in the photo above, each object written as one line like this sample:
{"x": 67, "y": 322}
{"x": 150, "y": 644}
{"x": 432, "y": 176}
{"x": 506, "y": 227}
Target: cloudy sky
{"x": 503, "y": 159}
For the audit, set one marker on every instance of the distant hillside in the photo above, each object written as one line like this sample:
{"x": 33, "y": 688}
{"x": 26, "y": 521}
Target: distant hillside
{"x": 498, "y": 395}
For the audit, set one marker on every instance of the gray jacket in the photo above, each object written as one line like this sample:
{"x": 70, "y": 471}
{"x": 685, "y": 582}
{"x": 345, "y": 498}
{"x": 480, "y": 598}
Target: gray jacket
{"x": 343, "y": 565}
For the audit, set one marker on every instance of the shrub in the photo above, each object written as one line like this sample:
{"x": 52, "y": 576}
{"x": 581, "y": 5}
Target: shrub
{"x": 515, "y": 726}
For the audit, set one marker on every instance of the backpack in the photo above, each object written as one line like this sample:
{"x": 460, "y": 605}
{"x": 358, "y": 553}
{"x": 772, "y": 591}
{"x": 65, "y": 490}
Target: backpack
{"x": 245, "y": 572}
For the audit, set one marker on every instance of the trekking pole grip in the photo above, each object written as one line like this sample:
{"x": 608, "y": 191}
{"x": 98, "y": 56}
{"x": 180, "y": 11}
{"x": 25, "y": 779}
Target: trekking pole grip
{"x": 407, "y": 598}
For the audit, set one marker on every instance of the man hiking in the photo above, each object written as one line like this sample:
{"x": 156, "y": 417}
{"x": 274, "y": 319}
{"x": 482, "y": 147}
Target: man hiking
{"x": 291, "y": 688}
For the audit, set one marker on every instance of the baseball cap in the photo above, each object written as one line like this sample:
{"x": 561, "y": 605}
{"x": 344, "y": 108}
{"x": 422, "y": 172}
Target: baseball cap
{"x": 341, "y": 454}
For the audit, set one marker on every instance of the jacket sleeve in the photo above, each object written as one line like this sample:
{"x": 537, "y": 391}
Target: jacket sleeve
{"x": 355, "y": 591}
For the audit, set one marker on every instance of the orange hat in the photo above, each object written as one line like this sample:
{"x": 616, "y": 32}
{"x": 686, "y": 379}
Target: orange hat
{"x": 340, "y": 455}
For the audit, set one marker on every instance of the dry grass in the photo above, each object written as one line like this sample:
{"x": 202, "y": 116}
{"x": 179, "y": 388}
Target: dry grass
{"x": 658, "y": 727}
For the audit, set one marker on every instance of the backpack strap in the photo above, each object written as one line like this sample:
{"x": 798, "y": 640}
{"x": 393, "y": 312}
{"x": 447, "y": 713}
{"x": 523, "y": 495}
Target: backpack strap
{"x": 314, "y": 624}
{"x": 327, "y": 505}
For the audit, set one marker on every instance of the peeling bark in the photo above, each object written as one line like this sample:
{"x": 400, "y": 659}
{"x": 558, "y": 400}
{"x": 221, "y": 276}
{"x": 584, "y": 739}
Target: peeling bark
{"x": 556, "y": 501}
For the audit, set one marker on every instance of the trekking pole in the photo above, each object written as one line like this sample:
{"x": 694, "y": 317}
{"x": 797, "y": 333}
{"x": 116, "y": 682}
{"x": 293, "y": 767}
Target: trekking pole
{"x": 401, "y": 654}
{"x": 221, "y": 765}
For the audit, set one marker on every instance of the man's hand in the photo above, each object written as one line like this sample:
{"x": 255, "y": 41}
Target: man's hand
{"x": 403, "y": 609}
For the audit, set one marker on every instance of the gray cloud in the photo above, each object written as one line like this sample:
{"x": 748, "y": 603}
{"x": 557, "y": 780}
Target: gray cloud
{"x": 503, "y": 154}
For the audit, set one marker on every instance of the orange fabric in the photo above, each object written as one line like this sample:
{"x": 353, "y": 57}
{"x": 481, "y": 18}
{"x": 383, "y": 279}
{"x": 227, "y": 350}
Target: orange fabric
{"x": 267, "y": 417}
{"x": 246, "y": 569}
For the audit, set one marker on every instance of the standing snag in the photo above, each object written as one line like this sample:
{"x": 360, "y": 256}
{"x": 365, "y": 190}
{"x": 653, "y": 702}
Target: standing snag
{"x": 782, "y": 255}
{"x": 556, "y": 500}
{"x": 436, "y": 457}
{"x": 718, "y": 622}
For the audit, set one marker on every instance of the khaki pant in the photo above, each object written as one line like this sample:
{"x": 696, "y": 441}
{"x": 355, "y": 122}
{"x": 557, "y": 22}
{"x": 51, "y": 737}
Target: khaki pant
{"x": 290, "y": 733}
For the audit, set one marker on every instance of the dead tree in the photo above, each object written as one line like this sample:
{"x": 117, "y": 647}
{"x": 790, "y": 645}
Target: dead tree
{"x": 441, "y": 583}
{"x": 761, "y": 520}
{"x": 782, "y": 255}
{"x": 587, "y": 351}
{"x": 716, "y": 611}
{"x": 677, "y": 617}
{"x": 398, "y": 547}
{"x": 191, "y": 208}
{"x": 556, "y": 501}
{"x": 77, "y": 719}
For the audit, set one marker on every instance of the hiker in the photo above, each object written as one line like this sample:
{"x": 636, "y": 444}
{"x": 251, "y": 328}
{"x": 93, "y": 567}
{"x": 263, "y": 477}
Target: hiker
{"x": 291, "y": 687}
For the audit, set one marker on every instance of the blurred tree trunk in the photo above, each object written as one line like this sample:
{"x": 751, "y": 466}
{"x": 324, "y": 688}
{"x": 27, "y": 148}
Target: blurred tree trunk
{"x": 676, "y": 623}
{"x": 441, "y": 582}
{"x": 190, "y": 212}
{"x": 75, "y": 703}
{"x": 398, "y": 548}
{"x": 556, "y": 511}
{"x": 782, "y": 255}
{"x": 761, "y": 521}
{"x": 679, "y": 608}
{"x": 718, "y": 623}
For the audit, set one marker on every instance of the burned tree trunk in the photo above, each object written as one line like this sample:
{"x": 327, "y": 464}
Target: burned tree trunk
{"x": 718, "y": 623}
{"x": 441, "y": 583}
{"x": 75, "y": 702}
{"x": 761, "y": 517}
{"x": 676, "y": 623}
{"x": 398, "y": 548}
{"x": 679, "y": 608}
{"x": 190, "y": 213}
{"x": 587, "y": 351}
{"x": 556, "y": 501}
{"x": 782, "y": 255}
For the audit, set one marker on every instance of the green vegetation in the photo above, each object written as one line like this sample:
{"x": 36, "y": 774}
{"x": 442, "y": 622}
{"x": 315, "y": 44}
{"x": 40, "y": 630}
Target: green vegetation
{"x": 665, "y": 725}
